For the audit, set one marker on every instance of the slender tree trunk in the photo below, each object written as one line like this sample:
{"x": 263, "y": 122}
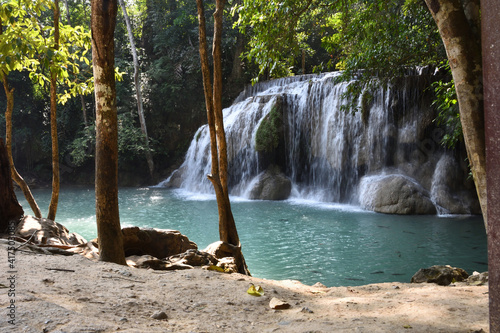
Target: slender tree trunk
{"x": 213, "y": 102}
{"x": 228, "y": 231}
{"x": 84, "y": 111}
{"x": 10, "y": 209}
{"x": 9, "y": 93}
{"x": 463, "y": 49}
{"x": 68, "y": 16}
{"x": 109, "y": 233}
{"x": 137, "y": 82}
{"x": 53, "y": 124}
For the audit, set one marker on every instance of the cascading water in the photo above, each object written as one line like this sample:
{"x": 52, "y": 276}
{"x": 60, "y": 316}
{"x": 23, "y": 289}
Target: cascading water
{"x": 324, "y": 150}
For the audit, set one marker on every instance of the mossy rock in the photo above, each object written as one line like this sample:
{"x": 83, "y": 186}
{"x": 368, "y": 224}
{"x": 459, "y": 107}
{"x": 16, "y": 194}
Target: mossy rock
{"x": 270, "y": 129}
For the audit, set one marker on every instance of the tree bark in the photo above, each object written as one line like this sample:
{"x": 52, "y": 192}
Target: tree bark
{"x": 103, "y": 20}
{"x": 53, "y": 124}
{"x": 137, "y": 83}
{"x": 491, "y": 72}
{"x": 10, "y": 209}
{"x": 463, "y": 49}
{"x": 9, "y": 93}
{"x": 213, "y": 102}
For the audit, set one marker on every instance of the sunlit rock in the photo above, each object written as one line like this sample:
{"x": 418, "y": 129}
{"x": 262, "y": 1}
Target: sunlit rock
{"x": 442, "y": 275}
{"x": 44, "y": 231}
{"x": 159, "y": 243}
{"x": 394, "y": 194}
{"x": 271, "y": 185}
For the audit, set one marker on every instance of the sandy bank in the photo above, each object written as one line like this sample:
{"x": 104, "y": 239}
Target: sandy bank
{"x": 55, "y": 293}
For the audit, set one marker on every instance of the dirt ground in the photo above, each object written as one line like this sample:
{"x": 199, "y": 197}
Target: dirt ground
{"x": 56, "y": 293}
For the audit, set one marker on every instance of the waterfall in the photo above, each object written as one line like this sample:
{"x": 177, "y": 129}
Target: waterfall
{"x": 322, "y": 148}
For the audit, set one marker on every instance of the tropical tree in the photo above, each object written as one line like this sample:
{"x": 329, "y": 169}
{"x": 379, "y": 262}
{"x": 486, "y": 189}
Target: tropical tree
{"x": 15, "y": 55}
{"x": 106, "y": 160}
{"x": 53, "y": 121}
{"x": 218, "y": 146}
{"x": 49, "y": 55}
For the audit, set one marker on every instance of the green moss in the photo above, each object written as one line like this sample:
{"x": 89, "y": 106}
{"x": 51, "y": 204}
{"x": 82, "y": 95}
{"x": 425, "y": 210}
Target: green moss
{"x": 268, "y": 134}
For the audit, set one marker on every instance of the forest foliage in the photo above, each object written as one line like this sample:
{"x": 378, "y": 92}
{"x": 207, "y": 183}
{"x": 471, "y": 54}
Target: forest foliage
{"x": 262, "y": 39}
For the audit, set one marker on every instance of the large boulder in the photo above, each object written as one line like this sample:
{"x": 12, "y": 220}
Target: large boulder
{"x": 271, "y": 184}
{"x": 442, "y": 275}
{"x": 159, "y": 243}
{"x": 394, "y": 194}
{"x": 175, "y": 180}
{"x": 47, "y": 232}
{"x": 449, "y": 194}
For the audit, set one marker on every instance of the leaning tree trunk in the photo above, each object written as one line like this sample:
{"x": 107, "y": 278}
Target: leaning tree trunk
{"x": 9, "y": 92}
{"x": 53, "y": 124}
{"x": 463, "y": 49}
{"x": 213, "y": 102}
{"x": 109, "y": 233}
{"x": 10, "y": 209}
{"x": 137, "y": 83}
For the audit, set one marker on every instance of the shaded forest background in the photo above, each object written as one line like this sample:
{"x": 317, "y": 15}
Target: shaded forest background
{"x": 166, "y": 37}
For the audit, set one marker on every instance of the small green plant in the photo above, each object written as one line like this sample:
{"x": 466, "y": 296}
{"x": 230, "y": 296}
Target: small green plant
{"x": 448, "y": 117}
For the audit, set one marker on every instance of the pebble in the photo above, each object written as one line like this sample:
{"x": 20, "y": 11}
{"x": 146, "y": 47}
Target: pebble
{"x": 278, "y": 304}
{"x": 159, "y": 315}
{"x": 305, "y": 309}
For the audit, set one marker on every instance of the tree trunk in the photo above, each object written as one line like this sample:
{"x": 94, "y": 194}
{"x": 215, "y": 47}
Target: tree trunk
{"x": 491, "y": 72}
{"x": 10, "y": 209}
{"x": 463, "y": 49}
{"x": 213, "y": 102}
{"x": 9, "y": 92}
{"x": 137, "y": 82}
{"x": 53, "y": 124}
{"x": 84, "y": 111}
{"x": 68, "y": 16}
{"x": 109, "y": 233}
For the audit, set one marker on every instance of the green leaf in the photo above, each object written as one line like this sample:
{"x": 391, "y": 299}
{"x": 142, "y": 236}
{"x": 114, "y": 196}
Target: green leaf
{"x": 255, "y": 291}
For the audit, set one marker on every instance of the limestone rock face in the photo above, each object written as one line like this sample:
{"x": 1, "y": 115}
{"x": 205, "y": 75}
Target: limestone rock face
{"x": 46, "y": 231}
{"x": 159, "y": 243}
{"x": 394, "y": 194}
{"x": 442, "y": 275}
{"x": 272, "y": 184}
